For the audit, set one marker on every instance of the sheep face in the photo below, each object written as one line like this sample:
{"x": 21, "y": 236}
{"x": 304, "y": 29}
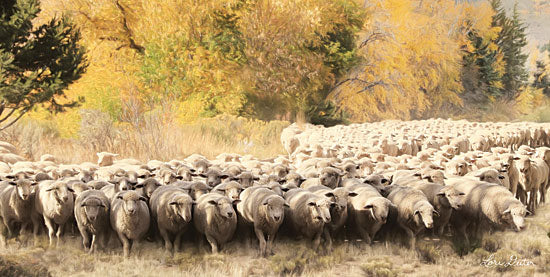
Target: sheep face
{"x": 330, "y": 177}
{"x": 450, "y": 197}
{"x": 246, "y": 179}
{"x": 130, "y": 202}
{"x": 524, "y": 167}
{"x": 320, "y": 210}
{"x": 294, "y": 179}
{"x": 92, "y": 208}
{"x": 224, "y": 206}
{"x": 514, "y": 216}
{"x": 214, "y": 177}
{"x": 182, "y": 206}
{"x": 424, "y": 215}
{"x": 123, "y": 184}
{"x": 24, "y": 188}
{"x": 275, "y": 208}
{"x": 379, "y": 209}
{"x": 61, "y": 192}
{"x": 199, "y": 189}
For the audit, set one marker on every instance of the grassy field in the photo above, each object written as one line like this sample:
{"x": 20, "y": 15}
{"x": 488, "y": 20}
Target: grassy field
{"x": 431, "y": 258}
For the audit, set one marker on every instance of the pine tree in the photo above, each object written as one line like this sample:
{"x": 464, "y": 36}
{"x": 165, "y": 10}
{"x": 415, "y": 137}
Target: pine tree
{"x": 541, "y": 79}
{"x": 37, "y": 63}
{"x": 511, "y": 40}
{"x": 483, "y": 61}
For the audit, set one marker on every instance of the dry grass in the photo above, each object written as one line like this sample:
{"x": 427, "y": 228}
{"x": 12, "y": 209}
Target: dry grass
{"x": 152, "y": 137}
{"x": 432, "y": 258}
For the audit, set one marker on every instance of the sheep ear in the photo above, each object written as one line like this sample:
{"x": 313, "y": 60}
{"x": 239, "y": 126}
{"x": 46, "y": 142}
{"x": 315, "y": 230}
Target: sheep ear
{"x": 34, "y": 184}
{"x": 528, "y": 212}
{"x": 70, "y": 189}
{"x": 516, "y": 158}
{"x": 143, "y": 198}
{"x": 203, "y": 175}
{"x": 416, "y": 212}
{"x": 461, "y": 193}
{"x": 332, "y": 204}
{"x": 329, "y": 194}
{"x": 256, "y": 178}
{"x": 13, "y": 183}
{"x": 286, "y": 205}
{"x": 236, "y": 201}
{"x": 501, "y": 177}
{"x": 179, "y": 177}
{"x": 119, "y": 197}
{"x": 507, "y": 211}
{"x": 84, "y": 205}
{"x": 440, "y": 194}
{"x": 173, "y": 203}
{"x": 224, "y": 176}
{"x": 383, "y": 180}
{"x": 352, "y": 194}
{"x": 311, "y": 204}
{"x": 265, "y": 202}
{"x": 138, "y": 186}
{"x": 436, "y": 213}
{"x": 369, "y": 206}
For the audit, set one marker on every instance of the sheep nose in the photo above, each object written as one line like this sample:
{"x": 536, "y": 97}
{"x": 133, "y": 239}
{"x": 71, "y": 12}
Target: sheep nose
{"x": 230, "y": 214}
{"x": 277, "y": 218}
{"x": 429, "y": 225}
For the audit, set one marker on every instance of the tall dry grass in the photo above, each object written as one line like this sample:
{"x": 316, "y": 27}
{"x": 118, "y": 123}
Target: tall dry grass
{"x": 293, "y": 258}
{"x": 152, "y": 136}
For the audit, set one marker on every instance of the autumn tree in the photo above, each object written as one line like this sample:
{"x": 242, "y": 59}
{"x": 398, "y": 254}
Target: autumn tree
{"x": 37, "y": 63}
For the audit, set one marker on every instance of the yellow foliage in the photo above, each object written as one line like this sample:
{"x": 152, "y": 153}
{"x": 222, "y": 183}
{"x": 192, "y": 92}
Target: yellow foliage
{"x": 412, "y": 61}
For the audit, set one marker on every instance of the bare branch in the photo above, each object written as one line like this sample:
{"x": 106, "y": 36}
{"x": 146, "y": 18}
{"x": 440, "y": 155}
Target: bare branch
{"x": 129, "y": 32}
{"x": 372, "y": 37}
{"x": 23, "y": 112}
{"x": 7, "y": 115}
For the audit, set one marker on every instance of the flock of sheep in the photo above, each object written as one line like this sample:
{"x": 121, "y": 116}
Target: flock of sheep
{"x": 375, "y": 181}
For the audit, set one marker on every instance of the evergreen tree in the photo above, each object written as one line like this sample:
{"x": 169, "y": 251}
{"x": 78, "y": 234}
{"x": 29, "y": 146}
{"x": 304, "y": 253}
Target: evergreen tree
{"x": 542, "y": 81}
{"x": 511, "y": 40}
{"x": 482, "y": 60}
{"x": 37, "y": 63}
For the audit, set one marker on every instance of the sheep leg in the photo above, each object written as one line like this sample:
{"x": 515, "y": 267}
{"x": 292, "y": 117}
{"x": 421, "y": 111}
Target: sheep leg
{"x": 58, "y": 234}
{"x": 125, "y": 245}
{"x": 2, "y": 236}
{"x": 270, "y": 239}
{"x": 328, "y": 238}
{"x": 261, "y": 238}
{"x": 317, "y": 240}
{"x": 92, "y": 244}
{"x": 8, "y": 227}
{"x": 365, "y": 236}
{"x": 213, "y": 243}
{"x": 50, "y": 225}
{"x": 167, "y": 242}
{"x": 85, "y": 239}
{"x": 410, "y": 235}
{"x": 177, "y": 241}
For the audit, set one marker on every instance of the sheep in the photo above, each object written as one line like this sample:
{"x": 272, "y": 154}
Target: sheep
{"x": 195, "y": 189}
{"x": 414, "y": 211}
{"x": 338, "y": 210}
{"x": 117, "y": 185}
{"x": 91, "y": 211}
{"x": 230, "y": 189}
{"x": 171, "y": 209}
{"x": 533, "y": 175}
{"x": 330, "y": 177}
{"x": 294, "y": 179}
{"x": 444, "y": 199}
{"x": 264, "y": 209}
{"x": 54, "y": 201}
{"x": 147, "y": 187}
{"x": 488, "y": 174}
{"x": 97, "y": 184}
{"x": 16, "y": 199}
{"x": 105, "y": 158}
{"x": 368, "y": 211}
{"x": 490, "y": 205}
{"x": 215, "y": 218}
{"x": 130, "y": 218}
{"x": 307, "y": 214}
{"x": 213, "y": 177}
{"x": 245, "y": 178}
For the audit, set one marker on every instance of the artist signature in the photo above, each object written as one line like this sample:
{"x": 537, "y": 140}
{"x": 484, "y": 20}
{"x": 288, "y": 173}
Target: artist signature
{"x": 513, "y": 261}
